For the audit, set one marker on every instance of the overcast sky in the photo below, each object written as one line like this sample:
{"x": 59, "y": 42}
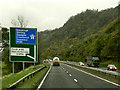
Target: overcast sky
{"x": 48, "y": 14}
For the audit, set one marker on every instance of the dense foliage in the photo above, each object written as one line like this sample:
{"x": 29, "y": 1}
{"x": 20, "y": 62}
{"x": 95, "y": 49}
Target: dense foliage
{"x": 90, "y": 33}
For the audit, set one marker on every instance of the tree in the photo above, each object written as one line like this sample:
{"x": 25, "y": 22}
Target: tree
{"x": 21, "y": 21}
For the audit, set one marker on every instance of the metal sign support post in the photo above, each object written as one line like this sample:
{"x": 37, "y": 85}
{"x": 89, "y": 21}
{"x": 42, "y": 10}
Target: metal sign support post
{"x": 34, "y": 55}
{"x": 23, "y": 66}
{"x": 13, "y": 67}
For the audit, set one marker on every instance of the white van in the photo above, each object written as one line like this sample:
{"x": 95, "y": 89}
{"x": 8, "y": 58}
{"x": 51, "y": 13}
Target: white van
{"x": 56, "y": 61}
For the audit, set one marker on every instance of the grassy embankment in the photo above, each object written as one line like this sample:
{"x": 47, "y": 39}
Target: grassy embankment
{"x": 34, "y": 81}
{"x": 11, "y": 78}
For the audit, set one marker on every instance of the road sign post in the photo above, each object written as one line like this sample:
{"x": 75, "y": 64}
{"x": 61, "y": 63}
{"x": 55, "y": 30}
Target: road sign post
{"x": 23, "y": 45}
{"x": 13, "y": 67}
{"x": 23, "y": 66}
{"x": 34, "y": 55}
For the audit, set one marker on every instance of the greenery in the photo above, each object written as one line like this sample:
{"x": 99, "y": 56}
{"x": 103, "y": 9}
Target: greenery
{"x": 34, "y": 81}
{"x": 90, "y": 33}
{"x": 11, "y": 78}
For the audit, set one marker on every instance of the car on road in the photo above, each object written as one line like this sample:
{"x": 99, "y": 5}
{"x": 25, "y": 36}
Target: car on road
{"x": 46, "y": 61}
{"x": 56, "y": 61}
{"x": 111, "y": 67}
{"x": 81, "y": 64}
{"x": 50, "y": 60}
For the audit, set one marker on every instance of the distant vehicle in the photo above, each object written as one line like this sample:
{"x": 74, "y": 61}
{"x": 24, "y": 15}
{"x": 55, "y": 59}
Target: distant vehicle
{"x": 56, "y": 61}
{"x": 46, "y": 61}
{"x": 93, "y": 61}
{"x": 81, "y": 64}
{"x": 50, "y": 60}
{"x": 111, "y": 67}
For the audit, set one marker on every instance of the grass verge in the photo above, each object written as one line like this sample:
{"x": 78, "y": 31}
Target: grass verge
{"x": 33, "y": 82}
{"x": 11, "y": 78}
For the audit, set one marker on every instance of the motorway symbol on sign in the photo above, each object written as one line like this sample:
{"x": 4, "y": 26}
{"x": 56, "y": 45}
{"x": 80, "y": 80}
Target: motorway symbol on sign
{"x": 32, "y": 36}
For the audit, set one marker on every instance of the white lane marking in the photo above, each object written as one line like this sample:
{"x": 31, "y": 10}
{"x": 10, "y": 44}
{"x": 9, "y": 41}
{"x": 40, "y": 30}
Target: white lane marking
{"x": 66, "y": 71}
{"x": 44, "y": 79}
{"x": 75, "y": 80}
{"x": 96, "y": 76}
{"x": 70, "y": 75}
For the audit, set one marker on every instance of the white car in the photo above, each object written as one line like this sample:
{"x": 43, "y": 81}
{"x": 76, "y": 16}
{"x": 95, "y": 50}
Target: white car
{"x": 111, "y": 67}
{"x": 50, "y": 60}
{"x": 81, "y": 64}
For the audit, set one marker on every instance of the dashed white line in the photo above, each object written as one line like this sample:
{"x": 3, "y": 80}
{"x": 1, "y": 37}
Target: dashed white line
{"x": 75, "y": 80}
{"x": 95, "y": 76}
{"x": 62, "y": 68}
{"x": 70, "y": 75}
{"x": 66, "y": 71}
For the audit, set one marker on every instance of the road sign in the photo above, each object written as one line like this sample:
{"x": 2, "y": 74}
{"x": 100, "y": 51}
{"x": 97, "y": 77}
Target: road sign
{"x": 23, "y": 45}
{"x": 25, "y": 36}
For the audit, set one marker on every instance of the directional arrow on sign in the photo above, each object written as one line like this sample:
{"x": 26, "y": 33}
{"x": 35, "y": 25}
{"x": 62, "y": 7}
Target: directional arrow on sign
{"x": 30, "y": 57}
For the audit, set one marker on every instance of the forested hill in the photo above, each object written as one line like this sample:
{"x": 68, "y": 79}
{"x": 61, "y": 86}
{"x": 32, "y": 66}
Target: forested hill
{"x": 88, "y": 33}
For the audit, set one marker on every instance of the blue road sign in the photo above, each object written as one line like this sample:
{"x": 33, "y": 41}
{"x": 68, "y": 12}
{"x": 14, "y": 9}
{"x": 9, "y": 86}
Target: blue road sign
{"x": 25, "y": 36}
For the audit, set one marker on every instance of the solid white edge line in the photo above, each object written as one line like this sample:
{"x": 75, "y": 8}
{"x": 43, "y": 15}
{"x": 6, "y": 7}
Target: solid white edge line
{"x": 96, "y": 76}
{"x": 44, "y": 78}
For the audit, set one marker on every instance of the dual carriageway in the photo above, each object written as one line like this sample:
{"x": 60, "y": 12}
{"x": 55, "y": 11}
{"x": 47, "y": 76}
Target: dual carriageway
{"x": 66, "y": 76}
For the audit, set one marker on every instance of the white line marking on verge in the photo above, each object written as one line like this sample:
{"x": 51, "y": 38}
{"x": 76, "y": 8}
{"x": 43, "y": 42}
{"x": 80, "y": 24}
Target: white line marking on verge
{"x": 75, "y": 80}
{"x": 96, "y": 76}
{"x": 44, "y": 79}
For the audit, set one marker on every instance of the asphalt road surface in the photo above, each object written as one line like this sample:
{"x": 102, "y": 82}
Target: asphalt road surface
{"x": 64, "y": 76}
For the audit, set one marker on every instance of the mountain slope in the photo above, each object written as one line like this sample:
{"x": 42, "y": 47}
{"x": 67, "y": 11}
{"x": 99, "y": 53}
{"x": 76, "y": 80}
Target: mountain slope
{"x": 88, "y": 33}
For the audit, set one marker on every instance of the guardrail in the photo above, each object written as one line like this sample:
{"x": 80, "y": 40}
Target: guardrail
{"x": 94, "y": 69}
{"x": 23, "y": 79}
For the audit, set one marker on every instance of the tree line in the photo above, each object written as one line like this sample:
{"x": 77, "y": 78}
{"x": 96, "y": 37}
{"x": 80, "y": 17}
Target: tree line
{"x": 90, "y": 33}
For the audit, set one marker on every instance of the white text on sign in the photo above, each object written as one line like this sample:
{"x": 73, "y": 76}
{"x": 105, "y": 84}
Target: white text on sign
{"x": 19, "y": 51}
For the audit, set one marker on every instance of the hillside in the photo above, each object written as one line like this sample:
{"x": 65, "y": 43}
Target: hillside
{"x": 91, "y": 32}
